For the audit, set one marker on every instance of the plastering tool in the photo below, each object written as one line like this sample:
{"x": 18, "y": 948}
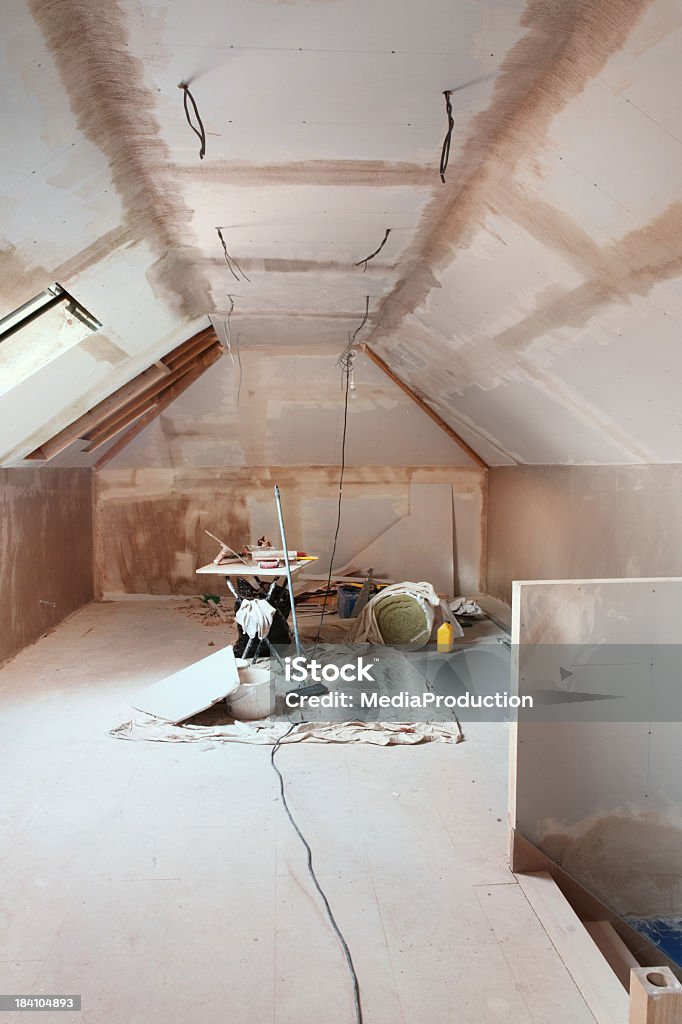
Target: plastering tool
{"x": 225, "y": 548}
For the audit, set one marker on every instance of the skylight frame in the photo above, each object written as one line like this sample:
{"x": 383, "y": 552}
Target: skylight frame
{"x": 40, "y": 304}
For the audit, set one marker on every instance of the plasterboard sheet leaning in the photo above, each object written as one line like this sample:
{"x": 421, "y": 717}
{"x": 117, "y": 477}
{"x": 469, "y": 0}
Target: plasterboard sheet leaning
{"x": 192, "y": 689}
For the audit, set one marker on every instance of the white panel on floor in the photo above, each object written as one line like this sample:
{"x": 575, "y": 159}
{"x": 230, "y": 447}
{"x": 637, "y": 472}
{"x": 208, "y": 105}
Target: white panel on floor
{"x": 191, "y": 690}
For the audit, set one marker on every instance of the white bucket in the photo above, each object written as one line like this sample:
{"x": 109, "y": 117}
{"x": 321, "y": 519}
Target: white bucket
{"x": 254, "y": 698}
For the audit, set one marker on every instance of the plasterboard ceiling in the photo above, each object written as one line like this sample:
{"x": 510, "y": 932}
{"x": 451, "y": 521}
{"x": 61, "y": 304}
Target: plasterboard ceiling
{"x": 533, "y": 299}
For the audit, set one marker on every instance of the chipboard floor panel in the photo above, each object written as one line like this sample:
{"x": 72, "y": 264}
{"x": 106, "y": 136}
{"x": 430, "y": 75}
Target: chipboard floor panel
{"x": 163, "y": 881}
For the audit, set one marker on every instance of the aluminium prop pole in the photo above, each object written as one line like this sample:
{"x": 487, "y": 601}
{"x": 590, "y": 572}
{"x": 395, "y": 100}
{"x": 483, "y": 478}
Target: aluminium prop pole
{"x": 294, "y": 621}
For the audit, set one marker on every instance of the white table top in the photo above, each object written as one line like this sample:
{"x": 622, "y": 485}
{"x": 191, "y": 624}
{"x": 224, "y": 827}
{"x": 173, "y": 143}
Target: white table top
{"x": 240, "y": 569}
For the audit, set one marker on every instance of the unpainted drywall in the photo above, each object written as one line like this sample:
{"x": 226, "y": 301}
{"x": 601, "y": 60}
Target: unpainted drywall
{"x": 149, "y": 523}
{"x": 595, "y": 783}
{"x": 46, "y": 564}
{"x": 280, "y": 406}
{"x": 533, "y": 297}
{"x": 561, "y": 522}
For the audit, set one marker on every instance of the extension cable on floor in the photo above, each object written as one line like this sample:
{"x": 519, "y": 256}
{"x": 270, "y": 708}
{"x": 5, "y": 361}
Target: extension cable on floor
{"x": 332, "y": 920}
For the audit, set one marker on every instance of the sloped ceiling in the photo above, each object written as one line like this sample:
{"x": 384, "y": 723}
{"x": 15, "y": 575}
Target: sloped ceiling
{"x": 533, "y": 299}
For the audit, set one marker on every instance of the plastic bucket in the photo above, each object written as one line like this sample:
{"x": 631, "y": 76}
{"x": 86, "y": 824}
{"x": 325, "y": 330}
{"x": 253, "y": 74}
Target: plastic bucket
{"x": 346, "y": 598}
{"x": 254, "y": 698}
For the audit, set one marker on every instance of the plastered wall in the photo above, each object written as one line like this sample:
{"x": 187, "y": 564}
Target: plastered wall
{"x": 46, "y": 565}
{"x": 150, "y": 522}
{"x": 276, "y": 415}
{"x": 283, "y": 406}
{"x": 595, "y": 779}
{"x": 570, "y": 522}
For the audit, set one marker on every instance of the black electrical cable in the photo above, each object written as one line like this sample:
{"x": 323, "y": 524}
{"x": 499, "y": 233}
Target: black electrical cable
{"x": 241, "y": 371}
{"x": 445, "y": 153}
{"x": 200, "y": 131}
{"x": 375, "y": 253}
{"x": 311, "y": 871}
{"x": 360, "y": 326}
{"x": 228, "y": 332}
{"x": 228, "y": 338}
{"x": 347, "y": 372}
{"x": 230, "y": 260}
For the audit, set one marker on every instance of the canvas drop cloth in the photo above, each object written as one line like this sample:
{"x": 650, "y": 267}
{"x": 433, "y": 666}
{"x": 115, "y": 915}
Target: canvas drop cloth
{"x": 381, "y": 734}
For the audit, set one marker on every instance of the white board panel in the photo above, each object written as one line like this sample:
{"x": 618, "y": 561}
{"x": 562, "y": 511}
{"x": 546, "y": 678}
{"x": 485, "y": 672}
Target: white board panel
{"x": 420, "y": 545}
{"x": 595, "y": 784}
{"x": 192, "y": 689}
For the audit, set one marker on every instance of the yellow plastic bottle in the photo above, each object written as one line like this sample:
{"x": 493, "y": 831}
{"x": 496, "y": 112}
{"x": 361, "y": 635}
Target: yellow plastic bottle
{"x": 445, "y": 638}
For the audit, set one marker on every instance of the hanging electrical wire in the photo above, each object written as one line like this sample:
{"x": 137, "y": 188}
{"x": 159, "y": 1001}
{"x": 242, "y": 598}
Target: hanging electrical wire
{"x": 360, "y": 326}
{"x": 375, "y": 253}
{"x": 228, "y": 338}
{"x": 200, "y": 132}
{"x": 231, "y": 262}
{"x": 346, "y": 362}
{"x": 445, "y": 152}
{"x": 226, "y": 324}
{"x": 239, "y": 364}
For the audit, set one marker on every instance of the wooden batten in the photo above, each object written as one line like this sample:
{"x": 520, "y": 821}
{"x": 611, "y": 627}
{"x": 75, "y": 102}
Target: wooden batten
{"x": 140, "y": 404}
{"x": 135, "y": 394}
{"x": 121, "y": 424}
{"x": 115, "y": 401}
{"x": 162, "y": 403}
{"x": 114, "y": 426}
{"x": 599, "y": 986}
{"x": 198, "y": 345}
{"x": 180, "y": 350}
{"x": 431, "y": 413}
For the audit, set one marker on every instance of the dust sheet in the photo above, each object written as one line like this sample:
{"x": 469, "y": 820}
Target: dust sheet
{"x": 381, "y": 734}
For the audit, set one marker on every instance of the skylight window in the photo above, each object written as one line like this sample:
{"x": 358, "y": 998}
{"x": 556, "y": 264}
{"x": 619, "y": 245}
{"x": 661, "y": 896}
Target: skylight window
{"x": 39, "y": 331}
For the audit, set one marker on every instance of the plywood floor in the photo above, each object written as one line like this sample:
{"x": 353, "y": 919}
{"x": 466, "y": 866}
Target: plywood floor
{"x": 163, "y": 882}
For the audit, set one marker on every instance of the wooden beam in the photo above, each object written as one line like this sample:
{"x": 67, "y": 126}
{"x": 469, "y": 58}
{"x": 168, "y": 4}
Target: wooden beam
{"x": 106, "y": 431}
{"x": 378, "y": 361}
{"x": 129, "y": 411}
{"x": 599, "y": 986}
{"x": 135, "y": 388}
{"x": 181, "y": 349}
{"x": 79, "y": 427}
{"x": 193, "y": 348}
{"x": 121, "y": 424}
{"x": 164, "y": 401}
{"x": 655, "y": 996}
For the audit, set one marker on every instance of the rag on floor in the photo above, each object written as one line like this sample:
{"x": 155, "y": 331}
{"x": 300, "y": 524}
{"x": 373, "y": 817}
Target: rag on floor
{"x": 403, "y": 613}
{"x": 468, "y": 607}
{"x": 255, "y": 617}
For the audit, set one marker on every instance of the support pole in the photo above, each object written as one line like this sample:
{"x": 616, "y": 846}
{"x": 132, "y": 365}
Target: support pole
{"x": 294, "y": 621}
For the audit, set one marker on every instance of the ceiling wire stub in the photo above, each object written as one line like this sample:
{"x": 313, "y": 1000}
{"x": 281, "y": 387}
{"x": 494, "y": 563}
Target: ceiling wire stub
{"x": 200, "y": 132}
{"x": 232, "y": 264}
{"x": 375, "y": 253}
{"x": 445, "y": 152}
